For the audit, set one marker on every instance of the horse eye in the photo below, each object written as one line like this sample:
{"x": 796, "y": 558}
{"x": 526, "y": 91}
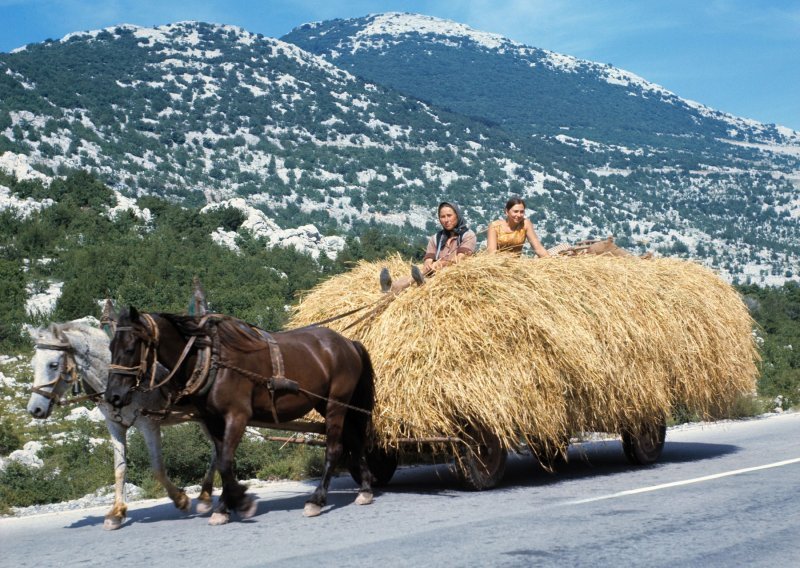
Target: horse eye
{"x": 53, "y": 364}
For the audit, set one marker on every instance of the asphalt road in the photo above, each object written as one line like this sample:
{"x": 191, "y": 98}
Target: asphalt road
{"x": 723, "y": 494}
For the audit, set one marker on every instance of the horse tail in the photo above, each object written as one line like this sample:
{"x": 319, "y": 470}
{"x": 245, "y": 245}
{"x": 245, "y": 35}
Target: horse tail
{"x": 364, "y": 394}
{"x": 358, "y": 420}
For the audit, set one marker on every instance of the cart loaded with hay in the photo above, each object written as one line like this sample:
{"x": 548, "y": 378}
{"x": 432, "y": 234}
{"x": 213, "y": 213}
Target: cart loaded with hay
{"x": 499, "y": 353}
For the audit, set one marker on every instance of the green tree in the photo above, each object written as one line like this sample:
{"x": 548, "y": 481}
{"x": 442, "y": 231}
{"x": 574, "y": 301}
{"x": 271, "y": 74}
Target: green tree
{"x": 12, "y": 303}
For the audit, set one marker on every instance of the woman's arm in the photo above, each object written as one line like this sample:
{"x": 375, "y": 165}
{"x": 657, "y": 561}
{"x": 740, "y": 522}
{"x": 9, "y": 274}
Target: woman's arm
{"x": 533, "y": 238}
{"x": 491, "y": 238}
{"x": 430, "y": 254}
{"x": 469, "y": 242}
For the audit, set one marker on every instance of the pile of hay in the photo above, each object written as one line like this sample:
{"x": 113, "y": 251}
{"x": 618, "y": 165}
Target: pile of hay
{"x": 536, "y": 349}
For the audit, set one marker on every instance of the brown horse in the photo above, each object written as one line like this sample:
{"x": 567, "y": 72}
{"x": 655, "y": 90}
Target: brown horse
{"x": 252, "y": 377}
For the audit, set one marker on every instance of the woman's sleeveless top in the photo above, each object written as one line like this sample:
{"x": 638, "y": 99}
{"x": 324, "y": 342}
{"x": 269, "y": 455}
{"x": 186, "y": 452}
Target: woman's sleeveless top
{"x": 509, "y": 242}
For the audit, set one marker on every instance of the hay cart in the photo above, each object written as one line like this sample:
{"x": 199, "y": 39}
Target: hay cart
{"x": 480, "y": 456}
{"x": 501, "y": 353}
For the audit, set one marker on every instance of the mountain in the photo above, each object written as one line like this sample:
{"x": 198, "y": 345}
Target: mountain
{"x": 201, "y": 114}
{"x": 525, "y": 89}
{"x": 650, "y": 151}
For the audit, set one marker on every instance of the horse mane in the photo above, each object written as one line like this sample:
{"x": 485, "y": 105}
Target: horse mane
{"x": 232, "y": 332}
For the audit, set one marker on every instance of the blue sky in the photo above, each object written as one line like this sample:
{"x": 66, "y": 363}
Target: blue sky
{"x": 738, "y": 56}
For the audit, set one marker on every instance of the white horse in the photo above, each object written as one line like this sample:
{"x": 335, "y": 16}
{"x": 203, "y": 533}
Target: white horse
{"x": 77, "y": 355}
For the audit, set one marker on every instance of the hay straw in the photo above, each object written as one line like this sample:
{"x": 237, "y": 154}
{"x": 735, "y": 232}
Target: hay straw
{"x": 536, "y": 349}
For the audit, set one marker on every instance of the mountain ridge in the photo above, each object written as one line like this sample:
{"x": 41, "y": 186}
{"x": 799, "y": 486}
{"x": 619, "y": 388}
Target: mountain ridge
{"x": 201, "y": 113}
{"x": 380, "y": 32}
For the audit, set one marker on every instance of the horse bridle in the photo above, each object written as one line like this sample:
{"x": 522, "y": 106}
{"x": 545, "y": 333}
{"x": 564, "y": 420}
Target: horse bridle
{"x": 67, "y": 373}
{"x": 150, "y": 343}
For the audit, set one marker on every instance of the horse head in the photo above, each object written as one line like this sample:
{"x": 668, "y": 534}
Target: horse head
{"x": 53, "y": 370}
{"x": 132, "y": 354}
{"x": 72, "y": 354}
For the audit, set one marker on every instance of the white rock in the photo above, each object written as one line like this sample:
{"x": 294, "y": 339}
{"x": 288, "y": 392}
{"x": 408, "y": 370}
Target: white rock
{"x": 18, "y": 166}
{"x": 26, "y": 456}
{"x": 306, "y": 239}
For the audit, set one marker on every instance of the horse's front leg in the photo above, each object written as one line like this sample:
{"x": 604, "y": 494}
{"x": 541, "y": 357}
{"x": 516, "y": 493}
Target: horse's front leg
{"x": 151, "y": 431}
{"x": 234, "y": 496}
{"x": 116, "y": 516}
{"x": 334, "y": 422}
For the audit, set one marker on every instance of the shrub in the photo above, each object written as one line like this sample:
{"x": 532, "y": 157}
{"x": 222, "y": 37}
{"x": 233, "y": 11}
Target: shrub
{"x": 71, "y": 469}
{"x": 22, "y": 486}
{"x": 186, "y": 452}
{"x": 10, "y": 439}
{"x": 296, "y": 462}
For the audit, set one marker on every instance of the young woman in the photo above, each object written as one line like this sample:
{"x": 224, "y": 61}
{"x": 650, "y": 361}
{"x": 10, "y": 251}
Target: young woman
{"x": 510, "y": 234}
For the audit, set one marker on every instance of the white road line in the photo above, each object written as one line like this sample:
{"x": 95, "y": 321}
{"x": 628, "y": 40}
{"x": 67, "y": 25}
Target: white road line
{"x": 684, "y": 482}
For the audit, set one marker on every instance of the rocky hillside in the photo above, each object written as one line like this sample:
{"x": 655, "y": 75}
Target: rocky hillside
{"x": 202, "y": 114}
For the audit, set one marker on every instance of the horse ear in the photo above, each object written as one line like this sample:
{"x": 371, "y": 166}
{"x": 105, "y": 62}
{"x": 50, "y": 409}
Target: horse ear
{"x": 32, "y": 331}
{"x": 198, "y": 306}
{"x": 109, "y": 313}
{"x": 109, "y": 318}
{"x": 133, "y": 313}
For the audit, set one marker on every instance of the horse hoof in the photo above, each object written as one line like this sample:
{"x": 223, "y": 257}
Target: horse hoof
{"x": 203, "y": 506}
{"x": 312, "y": 510}
{"x": 219, "y": 519}
{"x": 112, "y": 523}
{"x": 183, "y": 503}
{"x": 248, "y": 508}
{"x": 364, "y": 498}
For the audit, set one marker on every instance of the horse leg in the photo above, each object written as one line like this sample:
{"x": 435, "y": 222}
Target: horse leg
{"x": 334, "y": 421}
{"x": 205, "y": 499}
{"x": 116, "y": 516}
{"x": 234, "y": 496}
{"x": 151, "y": 431}
{"x": 355, "y": 449}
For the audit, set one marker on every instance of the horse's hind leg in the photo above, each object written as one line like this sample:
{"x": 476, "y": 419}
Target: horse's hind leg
{"x": 355, "y": 440}
{"x": 205, "y": 499}
{"x": 116, "y": 516}
{"x": 151, "y": 431}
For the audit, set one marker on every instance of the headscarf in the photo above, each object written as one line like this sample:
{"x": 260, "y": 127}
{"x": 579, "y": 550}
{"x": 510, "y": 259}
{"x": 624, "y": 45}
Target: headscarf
{"x": 459, "y": 230}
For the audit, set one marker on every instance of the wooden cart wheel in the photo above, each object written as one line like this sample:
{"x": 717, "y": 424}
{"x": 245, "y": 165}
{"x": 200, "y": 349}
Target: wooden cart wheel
{"x": 645, "y": 447}
{"x": 481, "y": 459}
{"x": 381, "y": 462}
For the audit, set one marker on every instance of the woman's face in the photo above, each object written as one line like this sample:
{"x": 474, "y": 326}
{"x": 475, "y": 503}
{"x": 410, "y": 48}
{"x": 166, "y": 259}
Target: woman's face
{"x": 448, "y": 218}
{"x": 516, "y": 214}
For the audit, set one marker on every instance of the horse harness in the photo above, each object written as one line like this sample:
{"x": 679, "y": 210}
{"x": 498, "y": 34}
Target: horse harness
{"x": 207, "y": 364}
{"x": 278, "y": 381}
{"x": 67, "y": 373}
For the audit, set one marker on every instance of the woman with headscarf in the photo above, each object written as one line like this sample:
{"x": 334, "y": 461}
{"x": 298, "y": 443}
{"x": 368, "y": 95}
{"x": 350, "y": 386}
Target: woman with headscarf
{"x": 448, "y": 246}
